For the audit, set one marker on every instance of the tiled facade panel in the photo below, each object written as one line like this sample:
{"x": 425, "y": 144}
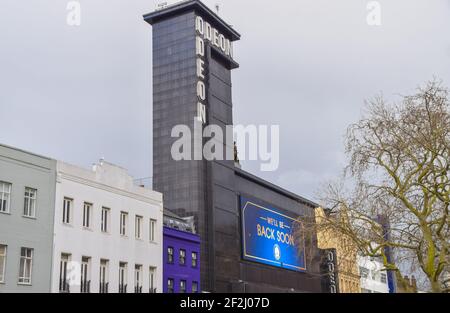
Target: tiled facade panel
{"x": 175, "y": 103}
{"x": 226, "y": 222}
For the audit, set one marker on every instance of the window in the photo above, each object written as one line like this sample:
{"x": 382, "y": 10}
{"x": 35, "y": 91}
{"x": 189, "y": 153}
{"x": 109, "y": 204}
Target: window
{"x": 170, "y": 255}
{"x": 374, "y": 275}
{"x": 138, "y": 278}
{"x": 383, "y": 278}
{"x": 194, "y": 259}
{"x": 364, "y": 272}
{"x": 152, "y": 230}
{"x": 170, "y": 285}
{"x": 105, "y": 219}
{"x": 63, "y": 277}
{"x": 182, "y": 286}
{"x": 87, "y": 210}
{"x": 123, "y": 223}
{"x": 138, "y": 227}
{"x": 85, "y": 275}
{"x": 29, "y": 208}
{"x": 123, "y": 277}
{"x": 26, "y": 266}
{"x": 2, "y": 263}
{"x": 5, "y": 194}
{"x": 182, "y": 257}
{"x": 152, "y": 280}
{"x": 104, "y": 284}
{"x": 67, "y": 208}
{"x": 194, "y": 287}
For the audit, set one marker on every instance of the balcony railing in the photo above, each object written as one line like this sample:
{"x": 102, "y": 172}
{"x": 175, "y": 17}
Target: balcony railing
{"x": 64, "y": 286}
{"x": 123, "y": 288}
{"x": 104, "y": 287}
{"x": 138, "y": 289}
{"x": 85, "y": 286}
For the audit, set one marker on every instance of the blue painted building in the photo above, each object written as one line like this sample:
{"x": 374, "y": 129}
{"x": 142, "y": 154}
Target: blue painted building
{"x": 181, "y": 260}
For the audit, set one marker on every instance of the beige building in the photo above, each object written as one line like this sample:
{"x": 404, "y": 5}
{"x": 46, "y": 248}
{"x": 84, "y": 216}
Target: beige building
{"x": 348, "y": 272}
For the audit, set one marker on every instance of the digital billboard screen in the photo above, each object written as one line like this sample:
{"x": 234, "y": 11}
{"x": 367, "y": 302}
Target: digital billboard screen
{"x": 268, "y": 236}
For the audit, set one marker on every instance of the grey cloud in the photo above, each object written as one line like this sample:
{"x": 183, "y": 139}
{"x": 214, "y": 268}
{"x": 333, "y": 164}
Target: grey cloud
{"x": 81, "y": 93}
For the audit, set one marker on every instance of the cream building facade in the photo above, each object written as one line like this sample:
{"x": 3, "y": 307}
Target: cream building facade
{"x": 346, "y": 252}
{"x": 107, "y": 232}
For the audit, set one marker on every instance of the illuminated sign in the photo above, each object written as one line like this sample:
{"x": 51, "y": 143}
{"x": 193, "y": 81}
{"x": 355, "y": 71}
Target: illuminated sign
{"x": 268, "y": 236}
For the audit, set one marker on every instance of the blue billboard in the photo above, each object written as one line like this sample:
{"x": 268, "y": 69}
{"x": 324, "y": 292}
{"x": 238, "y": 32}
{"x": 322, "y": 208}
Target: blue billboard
{"x": 268, "y": 236}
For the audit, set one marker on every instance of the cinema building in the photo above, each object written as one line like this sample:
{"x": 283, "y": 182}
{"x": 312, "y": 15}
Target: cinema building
{"x": 245, "y": 224}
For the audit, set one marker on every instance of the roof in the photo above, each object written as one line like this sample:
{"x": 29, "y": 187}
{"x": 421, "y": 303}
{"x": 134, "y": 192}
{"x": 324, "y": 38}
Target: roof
{"x": 26, "y": 152}
{"x": 275, "y": 188}
{"x": 189, "y": 5}
{"x": 171, "y": 214}
{"x": 172, "y": 220}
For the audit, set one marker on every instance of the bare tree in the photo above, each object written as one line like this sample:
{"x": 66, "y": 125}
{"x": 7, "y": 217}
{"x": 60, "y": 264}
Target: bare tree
{"x": 394, "y": 195}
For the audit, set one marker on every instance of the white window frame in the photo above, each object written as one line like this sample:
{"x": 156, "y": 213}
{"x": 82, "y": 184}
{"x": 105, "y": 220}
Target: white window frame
{"x": 170, "y": 249}
{"x": 194, "y": 258}
{"x": 182, "y": 256}
{"x": 375, "y": 275}
{"x": 3, "y": 255}
{"x": 64, "y": 269}
{"x": 5, "y": 197}
{"x": 104, "y": 272}
{"x": 67, "y": 211}
{"x": 87, "y": 215}
{"x": 27, "y": 259}
{"x": 152, "y": 230}
{"x": 85, "y": 269}
{"x": 192, "y": 286}
{"x": 138, "y": 276}
{"x": 170, "y": 280}
{"x": 123, "y": 274}
{"x": 185, "y": 286}
{"x": 152, "y": 283}
{"x": 364, "y": 272}
{"x": 104, "y": 264}
{"x": 29, "y": 204}
{"x": 383, "y": 275}
{"x": 106, "y": 212}
{"x": 123, "y": 224}
{"x": 138, "y": 227}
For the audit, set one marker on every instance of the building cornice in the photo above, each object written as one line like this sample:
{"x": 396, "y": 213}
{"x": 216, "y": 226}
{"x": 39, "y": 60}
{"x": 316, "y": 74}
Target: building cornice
{"x": 192, "y": 5}
{"x": 118, "y": 191}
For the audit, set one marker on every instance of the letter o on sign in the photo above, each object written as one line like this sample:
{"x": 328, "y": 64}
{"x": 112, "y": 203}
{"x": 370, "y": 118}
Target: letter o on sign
{"x": 330, "y": 256}
{"x": 223, "y": 43}
{"x": 199, "y": 25}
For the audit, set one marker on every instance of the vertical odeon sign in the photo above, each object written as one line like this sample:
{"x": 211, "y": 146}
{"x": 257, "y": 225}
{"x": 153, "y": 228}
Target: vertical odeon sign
{"x": 207, "y": 33}
{"x": 329, "y": 271}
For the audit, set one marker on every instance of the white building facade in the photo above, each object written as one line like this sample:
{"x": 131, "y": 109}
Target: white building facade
{"x": 107, "y": 232}
{"x": 373, "y": 278}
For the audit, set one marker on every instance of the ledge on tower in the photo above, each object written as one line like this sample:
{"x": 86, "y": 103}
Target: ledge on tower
{"x": 192, "y": 5}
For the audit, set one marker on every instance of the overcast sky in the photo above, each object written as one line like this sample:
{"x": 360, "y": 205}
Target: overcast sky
{"x": 81, "y": 93}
